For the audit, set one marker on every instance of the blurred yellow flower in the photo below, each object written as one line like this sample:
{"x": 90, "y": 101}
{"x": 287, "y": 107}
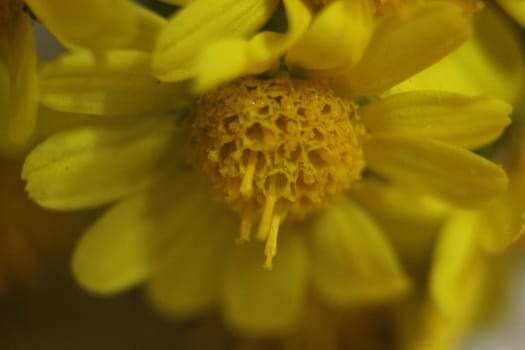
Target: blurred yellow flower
{"x": 279, "y": 150}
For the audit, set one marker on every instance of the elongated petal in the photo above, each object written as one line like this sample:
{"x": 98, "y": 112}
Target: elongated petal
{"x": 352, "y": 262}
{"x": 99, "y": 24}
{"x": 177, "y": 2}
{"x": 250, "y": 57}
{"x": 18, "y": 55}
{"x": 490, "y": 63}
{"x": 186, "y": 278}
{"x": 262, "y": 302}
{"x": 405, "y": 43}
{"x": 201, "y": 23}
{"x": 409, "y": 218}
{"x": 516, "y": 8}
{"x": 500, "y": 224}
{"x": 457, "y": 267}
{"x": 122, "y": 248}
{"x": 444, "y": 170}
{"x": 115, "y": 83}
{"x": 337, "y": 37}
{"x": 113, "y": 254}
{"x": 92, "y": 166}
{"x": 469, "y": 122}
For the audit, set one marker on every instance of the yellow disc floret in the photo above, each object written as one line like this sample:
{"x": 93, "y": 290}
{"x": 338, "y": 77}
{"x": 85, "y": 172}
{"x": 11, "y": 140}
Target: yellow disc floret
{"x": 276, "y": 148}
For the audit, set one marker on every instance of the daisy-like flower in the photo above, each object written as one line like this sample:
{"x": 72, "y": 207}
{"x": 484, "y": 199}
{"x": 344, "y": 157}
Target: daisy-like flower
{"x": 18, "y": 92}
{"x": 269, "y": 154}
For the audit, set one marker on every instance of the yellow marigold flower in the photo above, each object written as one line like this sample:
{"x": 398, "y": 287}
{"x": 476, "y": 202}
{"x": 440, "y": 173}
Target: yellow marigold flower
{"x": 18, "y": 92}
{"x": 277, "y": 151}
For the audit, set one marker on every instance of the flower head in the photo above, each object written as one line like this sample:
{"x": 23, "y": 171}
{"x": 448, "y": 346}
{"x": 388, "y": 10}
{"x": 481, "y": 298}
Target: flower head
{"x": 280, "y": 149}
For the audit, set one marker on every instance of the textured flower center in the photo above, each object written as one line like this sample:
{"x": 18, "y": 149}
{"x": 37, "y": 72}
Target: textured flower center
{"x": 276, "y": 148}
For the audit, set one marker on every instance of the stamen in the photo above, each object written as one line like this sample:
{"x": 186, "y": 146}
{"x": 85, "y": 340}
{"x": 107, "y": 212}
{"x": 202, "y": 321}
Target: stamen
{"x": 247, "y": 180}
{"x": 266, "y": 219}
{"x": 270, "y": 249}
{"x": 246, "y": 225}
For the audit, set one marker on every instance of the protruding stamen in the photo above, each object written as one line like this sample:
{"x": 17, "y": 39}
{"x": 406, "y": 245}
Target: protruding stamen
{"x": 246, "y": 225}
{"x": 271, "y": 243}
{"x": 266, "y": 219}
{"x": 247, "y": 180}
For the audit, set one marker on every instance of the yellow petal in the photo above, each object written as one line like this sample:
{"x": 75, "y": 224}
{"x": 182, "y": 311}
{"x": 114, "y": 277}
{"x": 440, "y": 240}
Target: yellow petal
{"x": 501, "y": 224}
{"x": 113, "y": 255}
{"x": 124, "y": 247}
{"x": 469, "y": 122}
{"x": 410, "y": 219}
{"x": 92, "y": 165}
{"x": 516, "y": 8}
{"x": 457, "y": 267}
{"x": 186, "y": 280}
{"x": 244, "y": 57}
{"x": 404, "y": 43}
{"x": 490, "y": 63}
{"x": 352, "y": 262}
{"x": 18, "y": 53}
{"x": 262, "y": 302}
{"x": 99, "y": 24}
{"x": 201, "y": 23}
{"x": 450, "y": 172}
{"x": 115, "y": 83}
{"x": 177, "y": 2}
{"x": 337, "y": 37}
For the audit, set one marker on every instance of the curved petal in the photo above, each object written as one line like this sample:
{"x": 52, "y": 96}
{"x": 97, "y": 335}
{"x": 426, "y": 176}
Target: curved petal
{"x": 410, "y": 219}
{"x": 337, "y": 37}
{"x": 262, "y": 302}
{"x": 124, "y": 247}
{"x": 352, "y": 262}
{"x": 501, "y": 223}
{"x": 491, "y": 63}
{"x": 99, "y": 24}
{"x": 113, "y": 83}
{"x": 186, "y": 279}
{"x": 177, "y": 2}
{"x": 17, "y": 52}
{"x": 113, "y": 254}
{"x": 450, "y": 172}
{"x": 469, "y": 122}
{"x": 516, "y": 8}
{"x": 201, "y": 23}
{"x": 457, "y": 267}
{"x": 249, "y": 57}
{"x": 404, "y": 43}
{"x": 91, "y": 166}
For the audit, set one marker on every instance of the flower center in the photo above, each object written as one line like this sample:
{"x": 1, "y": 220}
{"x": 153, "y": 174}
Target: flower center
{"x": 276, "y": 148}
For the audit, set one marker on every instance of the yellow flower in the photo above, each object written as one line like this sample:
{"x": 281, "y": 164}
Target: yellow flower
{"x": 18, "y": 92}
{"x": 280, "y": 151}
